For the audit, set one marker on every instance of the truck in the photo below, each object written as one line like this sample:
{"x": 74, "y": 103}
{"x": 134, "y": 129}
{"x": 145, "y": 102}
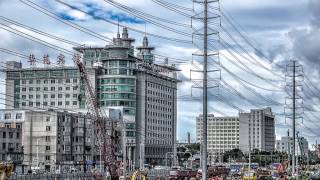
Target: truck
{"x": 215, "y": 171}
{"x": 176, "y": 173}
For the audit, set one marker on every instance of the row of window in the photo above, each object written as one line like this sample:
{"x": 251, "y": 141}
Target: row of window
{"x": 10, "y": 146}
{"x": 46, "y": 81}
{"x": 127, "y": 72}
{"x": 8, "y": 116}
{"x": 38, "y": 96}
{"x": 67, "y": 88}
{"x": 10, "y": 135}
{"x": 116, "y": 81}
{"x": 116, "y": 96}
{"x": 46, "y": 74}
{"x": 45, "y": 103}
{"x": 160, "y": 122}
{"x": 118, "y": 88}
{"x": 161, "y": 87}
{"x": 117, "y": 103}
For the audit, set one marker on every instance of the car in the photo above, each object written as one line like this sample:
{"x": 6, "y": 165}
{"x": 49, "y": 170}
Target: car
{"x": 249, "y": 175}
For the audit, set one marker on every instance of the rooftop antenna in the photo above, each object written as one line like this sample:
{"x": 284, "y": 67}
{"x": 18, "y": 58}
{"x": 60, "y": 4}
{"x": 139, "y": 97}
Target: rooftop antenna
{"x": 145, "y": 29}
{"x": 118, "y": 35}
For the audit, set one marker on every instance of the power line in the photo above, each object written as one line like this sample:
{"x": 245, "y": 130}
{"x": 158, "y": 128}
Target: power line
{"x": 130, "y": 28}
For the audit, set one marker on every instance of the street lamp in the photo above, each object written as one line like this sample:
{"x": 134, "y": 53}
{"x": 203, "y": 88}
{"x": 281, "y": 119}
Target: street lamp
{"x": 38, "y": 153}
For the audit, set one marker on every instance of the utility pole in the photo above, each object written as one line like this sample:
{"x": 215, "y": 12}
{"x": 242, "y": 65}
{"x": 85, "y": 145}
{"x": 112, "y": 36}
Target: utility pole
{"x": 205, "y": 91}
{"x": 200, "y": 38}
{"x": 124, "y": 153}
{"x": 294, "y": 117}
{"x": 295, "y": 102}
{"x": 249, "y": 154}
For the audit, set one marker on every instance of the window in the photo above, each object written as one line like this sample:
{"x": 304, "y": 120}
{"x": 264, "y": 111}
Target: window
{"x": 45, "y": 96}
{"x": 38, "y": 81}
{"x": 7, "y": 116}
{"x": 53, "y": 103}
{"x": 47, "y": 148}
{"x": 17, "y": 135}
{"x": 59, "y": 95}
{"x": 67, "y": 88}
{"x": 38, "y": 96}
{"x": 67, "y": 95}
{"x": 18, "y": 115}
{"x": 59, "y": 81}
{"x": 67, "y": 80}
{"x": 59, "y": 103}
{"x": 31, "y": 81}
{"x": 10, "y": 135}
{"x": 4, "y": 135}
{"x": 75, "y": 95}
{"x": 53, "y": 81}
{"x": 24, "y": 89}
{"x": 23, "y": 103}
{"x": 47, "y": 158}
{"x": 74, "y": 103}
{"x": 47, "y": 138}
{"x": 74, "y": 80}
{"x": 18, "y": 125}
{"x": 45, "y": 82}
{"x": 45, "y": 88}
{"x": 67, "y": 103}
{"x": 53, "y": 88}
{"x": 59, "y": 88}
{"x": 30, "y": 96}
{"x": 3, "y": 145}
{"x": 23, "y": 82}
{"x": 75, "y": 87}
{"x": 48, "y": 118}
{"x": 53, "y": 96}
{"x": 37, "y": 103}
{"x": 30, "y": 88}
{"x": 30, "y": 103}
{"x": 23, "y": 96}
{"x": 38, "y": 88}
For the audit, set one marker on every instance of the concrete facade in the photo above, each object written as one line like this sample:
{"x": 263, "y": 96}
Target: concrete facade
{"x": 285, "y": 144}
{"x": 43, "y": 88}
{"x": 258, "y": 127}
{"x": 223, "y": 134}
{"x": 11, "y": 144}
{"x": 58, "y": 140}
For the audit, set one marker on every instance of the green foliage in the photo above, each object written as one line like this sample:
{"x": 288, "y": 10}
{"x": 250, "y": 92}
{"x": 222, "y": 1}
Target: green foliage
{"x": 234, "y": 154}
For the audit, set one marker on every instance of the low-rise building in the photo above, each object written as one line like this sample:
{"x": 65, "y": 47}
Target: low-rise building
{"x": 285, "y": 144}
{"x": 10, "y": 145}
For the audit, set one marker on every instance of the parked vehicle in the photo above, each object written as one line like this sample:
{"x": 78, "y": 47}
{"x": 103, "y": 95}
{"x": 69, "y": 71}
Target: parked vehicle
{"x": 215, "y": 171}
{"x": 176, "y": 173}
{"x": 249, "y": 175}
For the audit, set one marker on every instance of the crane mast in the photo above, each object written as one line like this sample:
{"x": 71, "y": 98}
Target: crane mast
{"x": 101, "y": 123}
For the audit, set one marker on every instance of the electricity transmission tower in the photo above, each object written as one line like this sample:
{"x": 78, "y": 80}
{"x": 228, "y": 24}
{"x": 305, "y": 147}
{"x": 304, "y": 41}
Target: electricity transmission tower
{"x": 294, "y": 101}
{"x": 205, "y": 23}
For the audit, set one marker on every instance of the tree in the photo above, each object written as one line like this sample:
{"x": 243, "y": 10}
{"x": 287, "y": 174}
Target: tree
{"x": 235, "y": 154}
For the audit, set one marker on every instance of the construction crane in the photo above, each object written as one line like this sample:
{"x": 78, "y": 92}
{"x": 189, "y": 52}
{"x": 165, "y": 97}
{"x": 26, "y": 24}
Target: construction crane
{"x": 104, "y": 130}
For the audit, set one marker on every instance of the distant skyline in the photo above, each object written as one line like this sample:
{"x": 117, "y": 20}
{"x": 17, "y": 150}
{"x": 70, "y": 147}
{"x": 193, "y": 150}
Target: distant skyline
{"x": 282, "y": 30}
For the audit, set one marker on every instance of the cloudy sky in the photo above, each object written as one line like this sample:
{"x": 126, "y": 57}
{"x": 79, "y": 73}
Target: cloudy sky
{"x": 251, "y": 63}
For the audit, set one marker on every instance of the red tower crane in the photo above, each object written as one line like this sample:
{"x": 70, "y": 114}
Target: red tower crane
{"x": 104, "y": 130}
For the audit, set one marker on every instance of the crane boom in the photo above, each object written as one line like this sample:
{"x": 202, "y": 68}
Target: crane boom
{"x": 105, "y": 138}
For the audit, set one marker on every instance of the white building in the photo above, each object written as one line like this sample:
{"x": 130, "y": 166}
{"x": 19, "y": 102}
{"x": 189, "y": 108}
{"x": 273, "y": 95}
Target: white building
{"x": 285, "y": 142}
{"x": 223, "y": 133}
{"x": 258, "y": 129}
